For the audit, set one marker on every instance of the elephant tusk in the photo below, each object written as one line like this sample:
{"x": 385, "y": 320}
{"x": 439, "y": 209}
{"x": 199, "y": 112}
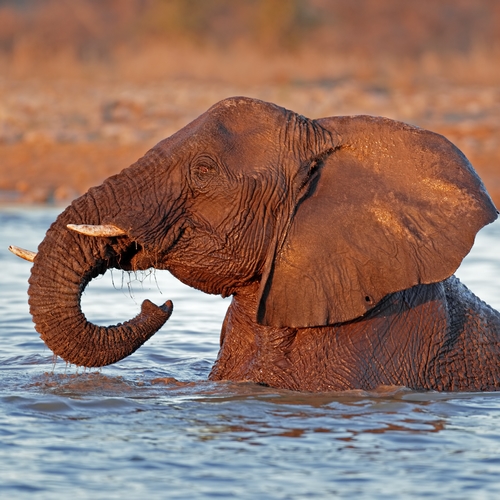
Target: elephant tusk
{"x": 24, "y": 254}
{"x": 106, "y": 231}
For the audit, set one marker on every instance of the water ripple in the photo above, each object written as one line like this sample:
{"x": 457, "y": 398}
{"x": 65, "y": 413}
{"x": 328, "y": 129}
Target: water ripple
{"x": 151, "y": 425}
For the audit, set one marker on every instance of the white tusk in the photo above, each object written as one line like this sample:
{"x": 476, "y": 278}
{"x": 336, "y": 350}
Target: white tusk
{"x": 24, "y": 254}
{"x": 105, "y": 231}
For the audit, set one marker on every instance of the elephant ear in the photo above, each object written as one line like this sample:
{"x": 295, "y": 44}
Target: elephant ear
{"x": 391, "y": 207}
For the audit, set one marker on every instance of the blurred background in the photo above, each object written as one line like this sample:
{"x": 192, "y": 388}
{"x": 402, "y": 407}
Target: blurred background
{"x": 87, "y": 86}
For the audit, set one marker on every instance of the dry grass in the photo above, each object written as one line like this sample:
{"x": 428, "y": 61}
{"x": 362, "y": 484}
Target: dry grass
{"x": 86, "y": 87}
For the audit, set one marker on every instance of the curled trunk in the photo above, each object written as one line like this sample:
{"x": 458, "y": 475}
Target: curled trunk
{"x": 65, "y": 264}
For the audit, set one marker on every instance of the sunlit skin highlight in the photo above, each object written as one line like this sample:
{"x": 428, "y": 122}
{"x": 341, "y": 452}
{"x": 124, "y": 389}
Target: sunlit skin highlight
{"x": 333, "y": 237}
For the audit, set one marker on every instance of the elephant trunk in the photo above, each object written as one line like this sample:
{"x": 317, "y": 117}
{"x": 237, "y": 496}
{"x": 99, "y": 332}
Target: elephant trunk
{"x": 66, "y": 262}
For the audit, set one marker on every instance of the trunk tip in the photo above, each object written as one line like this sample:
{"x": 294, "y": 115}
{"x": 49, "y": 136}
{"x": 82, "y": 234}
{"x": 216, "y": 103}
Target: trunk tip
{"x": 168, "y": 306}
{"x": 164, "y": 311}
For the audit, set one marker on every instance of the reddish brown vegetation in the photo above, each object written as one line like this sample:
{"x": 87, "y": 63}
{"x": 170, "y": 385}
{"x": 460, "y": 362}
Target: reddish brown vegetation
{"x": 87, "y": 86}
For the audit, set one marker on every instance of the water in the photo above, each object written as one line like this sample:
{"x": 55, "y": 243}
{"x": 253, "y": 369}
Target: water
{"x": 131, "y": 431}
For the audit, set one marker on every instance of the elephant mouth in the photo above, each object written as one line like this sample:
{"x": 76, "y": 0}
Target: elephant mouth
{"x": 122, "y": 250}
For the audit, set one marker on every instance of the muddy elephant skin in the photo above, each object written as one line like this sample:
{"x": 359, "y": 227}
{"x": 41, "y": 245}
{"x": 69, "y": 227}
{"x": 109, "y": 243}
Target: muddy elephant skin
{"x": 337, "y": 239}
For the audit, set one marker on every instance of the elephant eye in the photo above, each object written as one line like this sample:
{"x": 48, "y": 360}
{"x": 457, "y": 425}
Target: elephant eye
{"x": 203, "y": 169}
{"x": 202, "y": 173}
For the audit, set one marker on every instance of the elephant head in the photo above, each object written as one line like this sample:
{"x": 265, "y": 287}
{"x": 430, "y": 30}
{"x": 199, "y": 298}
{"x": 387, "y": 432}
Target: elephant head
{"x": 325, "y": 217}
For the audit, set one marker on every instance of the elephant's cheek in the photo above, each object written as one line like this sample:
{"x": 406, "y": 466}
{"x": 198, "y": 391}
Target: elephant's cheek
{"x": 196, "y": 278}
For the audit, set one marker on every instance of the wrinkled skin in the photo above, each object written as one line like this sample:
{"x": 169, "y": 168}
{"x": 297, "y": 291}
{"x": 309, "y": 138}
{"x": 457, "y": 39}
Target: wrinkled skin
{"x": 337, "y": 238}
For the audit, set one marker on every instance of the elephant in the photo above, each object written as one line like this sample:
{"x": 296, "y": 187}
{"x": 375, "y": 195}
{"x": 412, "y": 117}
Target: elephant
{"x": 337, "y": 238}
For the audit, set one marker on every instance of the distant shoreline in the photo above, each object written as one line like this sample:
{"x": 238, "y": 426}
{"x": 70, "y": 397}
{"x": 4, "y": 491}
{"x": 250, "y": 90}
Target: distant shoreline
{"x": 60, "y": 137}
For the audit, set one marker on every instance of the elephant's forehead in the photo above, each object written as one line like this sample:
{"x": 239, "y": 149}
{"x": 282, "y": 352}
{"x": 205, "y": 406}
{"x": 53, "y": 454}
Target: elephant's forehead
{"x": 239, "y": 110}
{"x": 235, "y": 126}
{"x": 227, "y": 136}
{"x": 244, "y": 134}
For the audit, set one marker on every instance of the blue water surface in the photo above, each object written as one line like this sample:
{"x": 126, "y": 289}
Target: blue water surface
{"x": 131, "y": 430}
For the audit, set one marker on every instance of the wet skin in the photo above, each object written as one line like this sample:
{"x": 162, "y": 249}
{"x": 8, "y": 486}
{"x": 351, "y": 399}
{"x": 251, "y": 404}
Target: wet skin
{"x": 337, "y": 239}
